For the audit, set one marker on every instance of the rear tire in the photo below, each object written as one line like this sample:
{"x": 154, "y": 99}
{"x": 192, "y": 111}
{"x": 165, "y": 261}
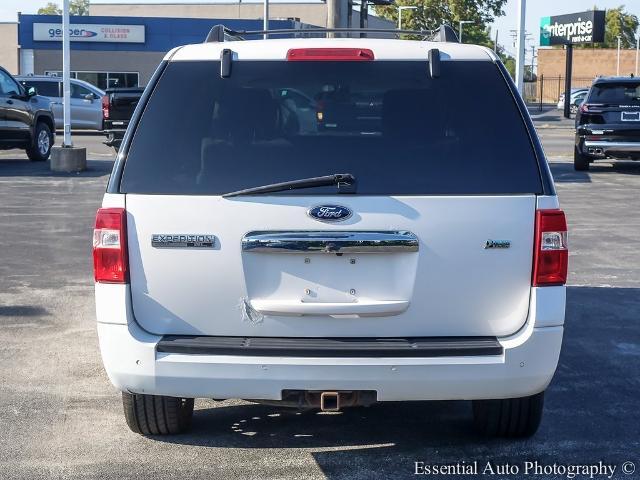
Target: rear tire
{"x": 580, "y": 162}
{"x": 40, "y": 150}
{"x": 510, "y": 417}
{"x": 157, "y": 415}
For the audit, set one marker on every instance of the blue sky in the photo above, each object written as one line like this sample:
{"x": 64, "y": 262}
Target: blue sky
{"x": 535, "y": 10}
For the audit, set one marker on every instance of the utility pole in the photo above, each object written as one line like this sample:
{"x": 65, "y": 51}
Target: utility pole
{"x": 522, "y": 5}
{"x": 265, "y": 24}
{"x": 364, "y": 17}
{"x": 333, "y": 15}
{"x": 495, "y": 45}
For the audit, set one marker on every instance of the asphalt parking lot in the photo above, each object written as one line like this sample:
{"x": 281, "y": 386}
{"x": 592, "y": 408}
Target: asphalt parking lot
{"x": 60, "y": 417}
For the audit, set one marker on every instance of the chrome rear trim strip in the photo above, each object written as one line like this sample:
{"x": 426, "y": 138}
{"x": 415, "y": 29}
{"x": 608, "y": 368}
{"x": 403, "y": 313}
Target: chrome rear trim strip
{"x": 330, "y": 242}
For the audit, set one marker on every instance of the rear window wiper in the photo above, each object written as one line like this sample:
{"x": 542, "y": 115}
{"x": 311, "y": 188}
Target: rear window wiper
{"x": 345, "y": 182}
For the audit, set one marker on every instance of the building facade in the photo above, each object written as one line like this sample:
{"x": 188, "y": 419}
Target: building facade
{"x": 9, "y": 46}
{"x": 587, "y": 62}
{"x": 312, "y": 12}
{"x": 122, "y": 44}
{"x": 112, "y": 51}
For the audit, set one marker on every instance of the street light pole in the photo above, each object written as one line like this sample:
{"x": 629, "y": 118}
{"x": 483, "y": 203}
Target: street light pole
{"x": 66, "y": 158}
{"x": 265, "y": 22}
{"x": 522, "y": 5}
{"x": 400, "y": 9}
{"x": 462, "y": 22}
{"x": 618, "y": 65}
{"x": 66, "y": 74}
{"x": 533, "y": 56}
{"x": 637, "y": 52}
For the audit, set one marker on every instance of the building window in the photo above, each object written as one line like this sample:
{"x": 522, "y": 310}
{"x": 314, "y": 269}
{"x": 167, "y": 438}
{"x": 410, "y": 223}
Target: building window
{"x": 104, "y": 80}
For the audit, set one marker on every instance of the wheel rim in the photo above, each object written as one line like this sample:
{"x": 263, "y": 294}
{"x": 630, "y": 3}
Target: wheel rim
{"x": 43, "y": 142}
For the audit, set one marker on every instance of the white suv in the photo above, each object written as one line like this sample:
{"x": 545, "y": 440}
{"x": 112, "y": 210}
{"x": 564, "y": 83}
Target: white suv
{"x": 331, "y": 223}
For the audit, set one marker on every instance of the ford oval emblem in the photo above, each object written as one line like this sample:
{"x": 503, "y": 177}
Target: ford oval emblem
{"x": 329, "y": 213}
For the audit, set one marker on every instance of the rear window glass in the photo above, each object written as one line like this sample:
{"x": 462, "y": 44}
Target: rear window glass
{"x": 388, "y": 123}
{"x": 46, "y": 89}
{"x": 627, "y": 93}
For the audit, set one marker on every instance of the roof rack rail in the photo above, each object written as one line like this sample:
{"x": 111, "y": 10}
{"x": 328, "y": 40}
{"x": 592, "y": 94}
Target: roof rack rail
{"x": 220, "y": 33}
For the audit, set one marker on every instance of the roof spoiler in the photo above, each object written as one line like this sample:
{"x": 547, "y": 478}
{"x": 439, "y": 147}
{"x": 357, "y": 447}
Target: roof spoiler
{"x": 445, "y": 34}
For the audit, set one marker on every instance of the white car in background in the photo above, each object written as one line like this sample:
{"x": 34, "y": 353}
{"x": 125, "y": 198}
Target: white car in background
{"x": 575, "y": 93}
{"x": 86, "y": 100}
{"x": 375, "y": 253}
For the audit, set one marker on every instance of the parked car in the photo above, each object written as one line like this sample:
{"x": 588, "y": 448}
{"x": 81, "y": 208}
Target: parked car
{"x": 577, "y": 101}
{"x": 241, "y": 253}
{"x": 118, "y": 105}
{"x": 574, "y": 93}
{"x": 608, "y": 122}
{"x": 26, "y": 119}
{"x": 86, "y": 109}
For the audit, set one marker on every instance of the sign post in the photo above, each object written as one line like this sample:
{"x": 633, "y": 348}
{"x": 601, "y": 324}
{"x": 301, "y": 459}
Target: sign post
{"x": 569, "y": 30}
{"x": 568, "y": 73}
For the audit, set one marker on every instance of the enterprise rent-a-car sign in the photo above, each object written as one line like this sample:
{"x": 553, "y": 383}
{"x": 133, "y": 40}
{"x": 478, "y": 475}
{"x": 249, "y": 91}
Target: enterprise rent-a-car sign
{"x": 574, "y": 28}
{"x": 52, "y": 32}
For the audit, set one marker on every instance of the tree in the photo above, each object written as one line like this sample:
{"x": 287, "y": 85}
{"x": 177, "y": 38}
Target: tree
{"x": 430, "y": 14}
{"x": 50, "y": 9}
{"x": 619, "y": 22}
{"x": 508, "y": 61}
{"x": 79, "y": 7}
{"x": 76, "y": 7}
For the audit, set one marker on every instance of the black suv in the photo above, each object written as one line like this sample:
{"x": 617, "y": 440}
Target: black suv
{"x": 608, "y": 122}
{"x": 26, "y": 120}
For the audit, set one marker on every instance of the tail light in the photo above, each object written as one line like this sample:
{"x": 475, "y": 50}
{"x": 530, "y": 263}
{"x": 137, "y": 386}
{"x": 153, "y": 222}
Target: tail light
{"x": 329, "y": 54}
{"x": 105, "y": 107}
{"x": 590, "y": 108}
{"x": 110, "y": 262}
{"x": 550, "y": 255}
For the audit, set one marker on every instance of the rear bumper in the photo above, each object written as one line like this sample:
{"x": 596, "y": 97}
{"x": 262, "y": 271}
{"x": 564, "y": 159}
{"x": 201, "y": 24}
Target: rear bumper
{"x": 524, "y": 367}
{"x": 610, "y": 140}
{"x": 133, "y": 365}
{"x": 114, "y": 137}
{"x": 605, "y": 147}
